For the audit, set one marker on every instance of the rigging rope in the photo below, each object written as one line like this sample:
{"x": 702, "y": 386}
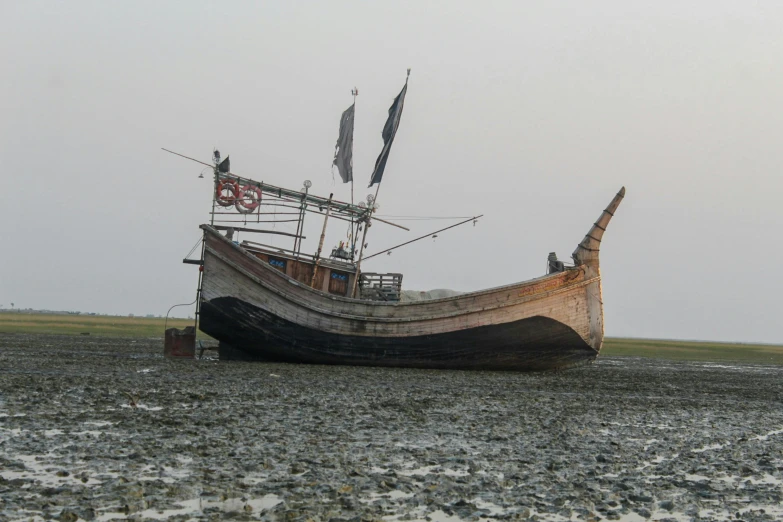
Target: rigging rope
{"x": 423, "y": 218}
{"x": 200, "y": 239}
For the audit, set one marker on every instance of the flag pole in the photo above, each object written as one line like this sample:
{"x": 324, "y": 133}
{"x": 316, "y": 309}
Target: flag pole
{"x": 355, "y": 93}
{"x": 354, "y": 230}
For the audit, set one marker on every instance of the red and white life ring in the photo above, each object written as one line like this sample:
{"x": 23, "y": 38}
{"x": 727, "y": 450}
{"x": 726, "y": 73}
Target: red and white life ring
{"x": 232, "y": 189}
{"x": 249, "y": 198}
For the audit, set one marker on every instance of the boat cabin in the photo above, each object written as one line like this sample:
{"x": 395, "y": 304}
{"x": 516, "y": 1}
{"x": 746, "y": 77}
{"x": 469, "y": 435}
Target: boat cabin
{"x": 334, "y": 276}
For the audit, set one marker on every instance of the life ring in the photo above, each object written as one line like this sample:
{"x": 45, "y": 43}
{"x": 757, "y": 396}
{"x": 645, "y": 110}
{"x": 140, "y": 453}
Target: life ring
{"x": 226, "y": 200}
{"x": 248, "y": 200}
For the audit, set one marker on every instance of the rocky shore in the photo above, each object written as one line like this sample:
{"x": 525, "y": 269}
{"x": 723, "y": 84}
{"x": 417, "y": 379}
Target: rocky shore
{"x": 102, "y": 429}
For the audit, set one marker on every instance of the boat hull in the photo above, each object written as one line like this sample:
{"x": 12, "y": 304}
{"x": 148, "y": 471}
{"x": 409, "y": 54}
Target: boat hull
{"x": 535, "y": 343}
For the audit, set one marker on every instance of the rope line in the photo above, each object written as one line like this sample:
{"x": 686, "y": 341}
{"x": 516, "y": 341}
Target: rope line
{"x": 200, "y": 239}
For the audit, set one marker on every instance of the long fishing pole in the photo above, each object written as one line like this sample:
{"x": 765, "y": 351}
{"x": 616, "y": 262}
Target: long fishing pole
{"x": 423, "y": 237}
{"x": 187, "y": 157}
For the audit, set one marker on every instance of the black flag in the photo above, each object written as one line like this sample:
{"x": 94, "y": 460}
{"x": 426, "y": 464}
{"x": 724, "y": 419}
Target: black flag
{"x": 389, "y": 130}
{"x": 343, "y": 151}
{"x": 225, "y": 165}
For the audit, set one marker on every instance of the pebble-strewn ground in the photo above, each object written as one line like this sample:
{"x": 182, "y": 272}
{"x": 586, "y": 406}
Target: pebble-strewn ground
{"x": 626, "y": 439}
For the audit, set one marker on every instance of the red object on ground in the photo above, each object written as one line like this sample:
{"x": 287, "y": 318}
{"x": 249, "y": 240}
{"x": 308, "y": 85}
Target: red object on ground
{"x": 180, "y": 343}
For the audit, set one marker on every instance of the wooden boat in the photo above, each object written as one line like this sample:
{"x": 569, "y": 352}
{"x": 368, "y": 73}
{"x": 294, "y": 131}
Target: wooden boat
{"x": 282, "y": 305}
{"x": 260, "y": 302}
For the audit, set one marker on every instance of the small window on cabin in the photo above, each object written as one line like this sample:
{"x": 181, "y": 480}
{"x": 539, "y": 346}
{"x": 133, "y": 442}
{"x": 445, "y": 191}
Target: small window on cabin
{"x": 338, "y": 283}
{"x": 277, "y": 263}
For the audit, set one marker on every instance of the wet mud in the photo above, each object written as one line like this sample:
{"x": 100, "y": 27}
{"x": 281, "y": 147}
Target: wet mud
{"x": 102, "y": 429}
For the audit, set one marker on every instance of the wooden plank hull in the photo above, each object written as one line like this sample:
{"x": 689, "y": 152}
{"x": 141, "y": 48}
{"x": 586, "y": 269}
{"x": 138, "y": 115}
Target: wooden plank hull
{"x": 536, "y": 343}
{"x": 555, "y": 321}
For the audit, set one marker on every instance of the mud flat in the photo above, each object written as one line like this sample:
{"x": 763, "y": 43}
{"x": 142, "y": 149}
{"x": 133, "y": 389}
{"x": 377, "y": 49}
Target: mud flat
{"x": 105, "y": 428}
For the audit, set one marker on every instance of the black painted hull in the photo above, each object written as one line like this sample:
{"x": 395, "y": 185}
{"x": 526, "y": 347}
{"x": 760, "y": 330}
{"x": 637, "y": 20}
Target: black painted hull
{"x": 535, "y": 343}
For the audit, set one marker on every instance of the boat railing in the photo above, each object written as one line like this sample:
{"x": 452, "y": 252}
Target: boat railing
{"x": 380, "y": 287}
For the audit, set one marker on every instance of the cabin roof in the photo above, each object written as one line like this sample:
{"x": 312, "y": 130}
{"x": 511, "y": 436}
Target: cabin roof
{"x": 338, "y": 207}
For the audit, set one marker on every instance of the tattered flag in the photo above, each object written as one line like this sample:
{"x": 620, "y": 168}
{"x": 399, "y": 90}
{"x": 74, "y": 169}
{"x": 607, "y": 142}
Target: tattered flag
{"x": 343, "y": 150}
{"x": 389, "y": 131}
{"x": 224, "y": 166}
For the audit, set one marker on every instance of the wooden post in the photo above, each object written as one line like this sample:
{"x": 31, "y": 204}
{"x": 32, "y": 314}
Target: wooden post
{"x": 359, "y": 262}
{"x": 321, "y": 242}
{"x": 214, "y": 197}
{"x": 300, "y": 224}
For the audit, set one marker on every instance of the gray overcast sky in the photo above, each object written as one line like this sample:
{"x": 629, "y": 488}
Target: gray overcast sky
{"x": 533, "y": 113}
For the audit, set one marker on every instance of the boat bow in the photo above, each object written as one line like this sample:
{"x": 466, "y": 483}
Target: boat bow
{"x": 586, "y": 256}
{"x": 586, "y": 252}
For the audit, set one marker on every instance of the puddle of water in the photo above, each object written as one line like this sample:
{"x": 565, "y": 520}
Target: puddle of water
{"x": 425, "y": 470}
{"x": 196, "y": 506}
{"x": 440, "y": 516}
{"x": 394, "y": 494}
{"x": 493, "y": 509}
{"x": 655, "y": 426}
{"x": 44, "y": 473}
{"x": 766, "y": 479}
{"x": 657, "y": 515}
{"x": 775, "y": 511}
{"x": 768, "y": 435}
{"x": 143, "y": 407}
{"x": 252, "y": 480}
{"x": 696, "y": 478}
{"x": 727, "y": 367}
{"x": 98, "y": 423}
{"x": 657, "y": 460}
{"x": 166, "y": 474}
{"x": 709, "y": 447}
